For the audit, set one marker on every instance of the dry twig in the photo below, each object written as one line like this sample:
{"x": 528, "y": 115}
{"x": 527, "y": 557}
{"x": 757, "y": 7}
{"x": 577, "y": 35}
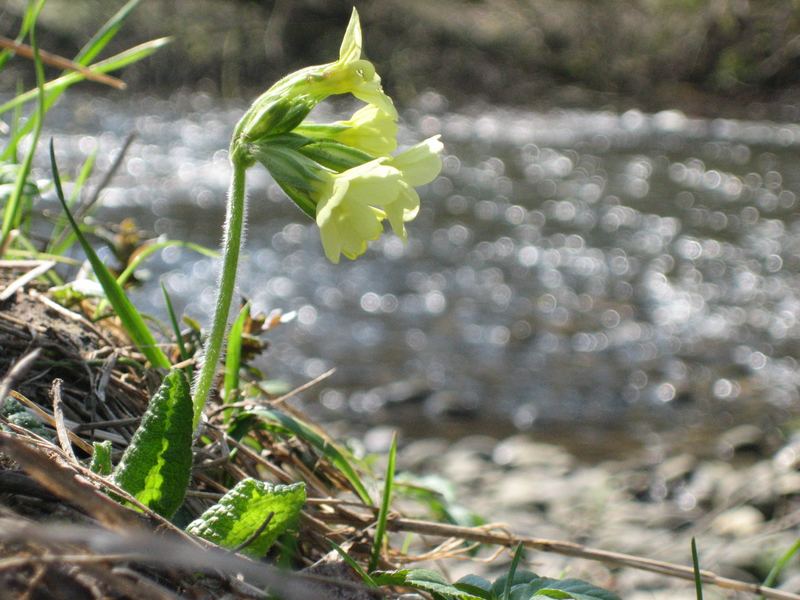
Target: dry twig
{"x": 61, "y": 63}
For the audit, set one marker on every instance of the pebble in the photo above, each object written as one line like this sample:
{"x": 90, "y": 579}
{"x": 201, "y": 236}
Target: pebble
{"x": 738, "y": 522}
{"x": 642, "y": 506}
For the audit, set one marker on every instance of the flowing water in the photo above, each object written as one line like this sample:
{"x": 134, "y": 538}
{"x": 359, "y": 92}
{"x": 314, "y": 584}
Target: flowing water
{"x": 566, "y": 268}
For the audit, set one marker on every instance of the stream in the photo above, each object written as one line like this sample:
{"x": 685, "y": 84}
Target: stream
{"x": 569, "y": 270}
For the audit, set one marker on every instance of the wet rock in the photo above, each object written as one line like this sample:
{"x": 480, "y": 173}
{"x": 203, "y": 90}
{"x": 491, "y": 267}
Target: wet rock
{"x": 788, "y": 484}
{"x": 740, "y": 521}
{"x": 520, "y": 451}
{"x": 463, "y": 466}
{"x": 788, "y": 457}
{"x": 418, "y": 454}
{"x": 378, "y": 440}
{"x": 740, "y": 440}
{"x": 677, "y": 467}
{"x": 705, "y": 481}
{"x": 450, "y": 404}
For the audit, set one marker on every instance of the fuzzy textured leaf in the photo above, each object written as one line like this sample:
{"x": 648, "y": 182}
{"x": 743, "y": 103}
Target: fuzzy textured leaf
{"x": 157, "y": 464}
{"x": 575, "y": 588}
{"x": 527, "y": 585}
{"x": 239, "y": 514}
{"x": 330, "y": 451}
{"x": 101, "y": 458}
{"x": 426, "y": 580}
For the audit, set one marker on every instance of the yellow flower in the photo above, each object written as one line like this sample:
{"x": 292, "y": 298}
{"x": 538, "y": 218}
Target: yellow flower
{"x": 419, "y": 165}
{"x": 350, "y": 206}
{"x": 348, "y": 215}
{"x": 369, "y": 129}
{"x": 354, "y": 75}
{"x": 284, "y": 105}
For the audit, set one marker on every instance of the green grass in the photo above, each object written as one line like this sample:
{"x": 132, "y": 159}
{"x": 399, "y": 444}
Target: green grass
{"x": 383, "y": 513}
{"x": 130, "y": 317}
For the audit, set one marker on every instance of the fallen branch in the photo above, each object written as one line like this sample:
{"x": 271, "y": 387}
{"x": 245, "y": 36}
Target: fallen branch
{"x": 495, "y": 535}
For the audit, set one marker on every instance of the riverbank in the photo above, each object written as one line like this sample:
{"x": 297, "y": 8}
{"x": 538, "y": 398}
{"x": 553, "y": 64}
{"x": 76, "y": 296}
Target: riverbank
{"x": 705, "y": 58}
{"x": 740, "y": 504}
{"x": 738, "y": 498}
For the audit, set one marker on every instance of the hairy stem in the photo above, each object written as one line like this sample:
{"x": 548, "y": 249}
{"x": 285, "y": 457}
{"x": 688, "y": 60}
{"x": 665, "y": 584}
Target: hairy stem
{"x": 231, "y": 243}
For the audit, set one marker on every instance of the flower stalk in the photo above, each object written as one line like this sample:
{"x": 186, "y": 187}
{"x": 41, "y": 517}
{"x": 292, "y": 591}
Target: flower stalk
{"x": 231, "y": 245}
{"x": 341, "y": 174}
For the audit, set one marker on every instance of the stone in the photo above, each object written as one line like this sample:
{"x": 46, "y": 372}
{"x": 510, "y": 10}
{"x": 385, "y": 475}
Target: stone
{"x": 740, "y": 521}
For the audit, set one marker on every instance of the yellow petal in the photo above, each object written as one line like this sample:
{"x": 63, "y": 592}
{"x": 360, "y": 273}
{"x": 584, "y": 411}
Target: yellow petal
{"x": 420, "y": 164}
{"x": 350, "y": 49}
{"x": 403, "y": 209}
{"x": 370, "y": 129}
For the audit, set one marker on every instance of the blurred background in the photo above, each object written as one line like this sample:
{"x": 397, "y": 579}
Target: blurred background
{"x": 612, "y": 247}
{"x": 705, "y": 56}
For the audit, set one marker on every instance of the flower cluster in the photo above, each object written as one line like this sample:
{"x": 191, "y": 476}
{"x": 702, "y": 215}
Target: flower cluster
{"x": 341, "y": 174}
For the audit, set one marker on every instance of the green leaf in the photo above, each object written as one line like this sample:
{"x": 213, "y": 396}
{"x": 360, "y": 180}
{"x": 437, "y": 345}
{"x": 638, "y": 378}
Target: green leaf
{"x": 240, "y": 513}
{"x": 427, "y": 580}
{"x": 548, "y": 593}
{"x": 331, "y": 452}
{"x": 131, "y": 319}
{"x": 156, "y": 466}
{"x": 522, "y": 577}
{"x": 354, "y": 565}
{"x": 233, "y": 360}
{"x": 390, "y": 578}
{"x": 56, "y": 87}
{"x": 101, "y": 458}
{"x": 431, "y": 581}
{"x": 477, "y": 586}
{"x": 383, "y": 513}
{"x": 575, "y": 588}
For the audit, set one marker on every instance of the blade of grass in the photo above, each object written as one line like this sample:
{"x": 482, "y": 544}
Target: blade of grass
{"x": 780, "y": 565}
{"x": 698, "y": 582}
{"x": 233, "y": 360}
{"x": 147, "y": 249}
{"x": 176, "y": 329}
{"x": 31, "y": 252}
{"x": 114, "y": 63}
{"x": 330, "y": 451}
{"x": 84, "y": 173}
{"x": 11, "y": 213}
{"x": 105, "y": 34}
{"x": 31, "y": 14}
{"x": 383, "y": 513}
{"x": 131, "y": 319}
{"x": 67, "y": 238}
{"x": 354, "y": 565}
{"x": 512, "y": 570}
{"x": 56, "y": 87}
{"x": 142, "y": 253}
